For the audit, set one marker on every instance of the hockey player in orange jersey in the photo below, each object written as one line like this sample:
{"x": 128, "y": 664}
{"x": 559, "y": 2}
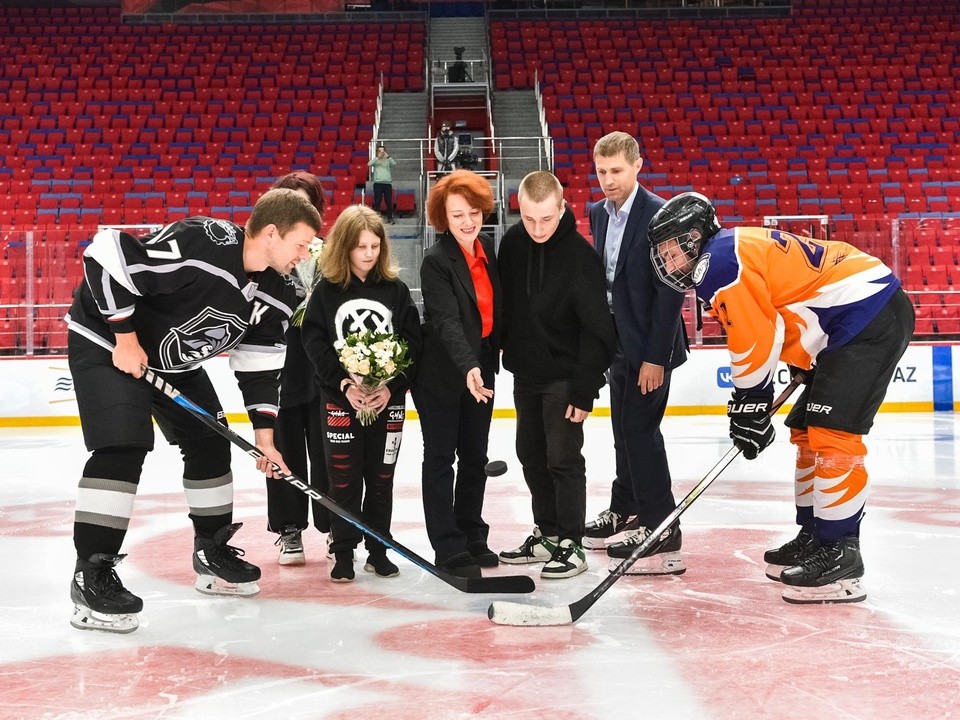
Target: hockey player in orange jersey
{"x": 823, "y": 307}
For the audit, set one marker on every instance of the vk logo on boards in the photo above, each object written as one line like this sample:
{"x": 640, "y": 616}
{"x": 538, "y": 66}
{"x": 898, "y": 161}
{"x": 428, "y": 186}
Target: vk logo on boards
{"x": 903, "y": 374}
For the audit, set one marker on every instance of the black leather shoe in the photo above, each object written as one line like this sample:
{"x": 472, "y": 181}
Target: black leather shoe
{"x": 483, "y": 555}
{"x": 462, "y": 565}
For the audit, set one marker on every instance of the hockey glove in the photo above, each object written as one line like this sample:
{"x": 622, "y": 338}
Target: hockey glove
{"x": 750, "y": 426}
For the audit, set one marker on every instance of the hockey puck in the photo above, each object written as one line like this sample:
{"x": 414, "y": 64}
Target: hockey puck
{"x": 495, "y": 468}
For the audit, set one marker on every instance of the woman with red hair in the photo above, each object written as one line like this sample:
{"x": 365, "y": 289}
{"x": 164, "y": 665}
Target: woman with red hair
{"x": 453, "y": 390}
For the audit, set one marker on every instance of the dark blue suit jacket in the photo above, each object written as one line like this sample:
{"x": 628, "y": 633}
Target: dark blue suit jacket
{"x": 646, "y": 311}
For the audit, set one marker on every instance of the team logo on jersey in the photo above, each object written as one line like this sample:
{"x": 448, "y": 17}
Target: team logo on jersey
{"x": 357, "y": 316}
{"x": 208, "y": 333}
{"x": 221, "y": 232}
{"x": 700, "y": 271}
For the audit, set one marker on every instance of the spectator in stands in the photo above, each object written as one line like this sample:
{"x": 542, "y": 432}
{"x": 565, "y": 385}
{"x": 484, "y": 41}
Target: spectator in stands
{"x": 823, "y": 307}
{"x": 453, "y": 391}
{"x": 299, "y": 431}
{"x": 558, "y": 341}
{"x": 651, "y": 342}
{"x": 168, "y": 301}
{"x": 382, "y": 171}
{"x": 446, "y": 148}
{"x": 360, "y": 290}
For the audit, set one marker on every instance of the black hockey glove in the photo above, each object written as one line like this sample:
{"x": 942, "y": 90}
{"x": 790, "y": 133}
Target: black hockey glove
{"x": 750, "y": 426}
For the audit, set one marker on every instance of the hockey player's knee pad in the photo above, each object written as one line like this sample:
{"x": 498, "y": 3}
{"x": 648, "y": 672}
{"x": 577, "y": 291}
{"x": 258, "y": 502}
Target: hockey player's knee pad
{"x": 205, "y": 457}
{"x": 825, "y": 441}
{"x": 116, "y": 463}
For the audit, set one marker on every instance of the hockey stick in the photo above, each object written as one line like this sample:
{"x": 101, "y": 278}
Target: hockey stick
{"x": 504, "y": 584}
{"x": 511, "y": 613}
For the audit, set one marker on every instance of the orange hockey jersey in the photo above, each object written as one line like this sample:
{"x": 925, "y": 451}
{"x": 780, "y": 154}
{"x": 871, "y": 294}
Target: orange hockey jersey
{"x": 781, "y": 296}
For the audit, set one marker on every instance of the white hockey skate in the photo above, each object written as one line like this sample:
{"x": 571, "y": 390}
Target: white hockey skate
{"x": 100, "y": 601}
{"x": 220, "y": 571}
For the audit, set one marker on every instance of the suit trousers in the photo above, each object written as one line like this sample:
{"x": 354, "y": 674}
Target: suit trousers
{"x": 549, "y": 449}
{"x": 454, "y": 428}
{"x": 642, "y": 486}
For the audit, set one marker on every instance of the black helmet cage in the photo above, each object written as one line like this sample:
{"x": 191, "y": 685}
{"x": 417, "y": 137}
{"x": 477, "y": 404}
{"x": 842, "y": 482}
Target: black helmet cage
{"x": 688, "y": 221}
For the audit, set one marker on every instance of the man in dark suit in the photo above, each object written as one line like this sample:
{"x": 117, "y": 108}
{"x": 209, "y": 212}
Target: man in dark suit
{"x": 651, "y": 342}
{"x": 453, "y": 390}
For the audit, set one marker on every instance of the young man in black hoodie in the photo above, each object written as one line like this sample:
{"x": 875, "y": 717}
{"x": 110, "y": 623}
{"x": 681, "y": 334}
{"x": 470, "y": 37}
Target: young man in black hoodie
{"x": 558, "y": 341}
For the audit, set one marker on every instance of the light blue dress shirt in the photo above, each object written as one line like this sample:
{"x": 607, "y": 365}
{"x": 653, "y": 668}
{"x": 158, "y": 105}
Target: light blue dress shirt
{"x": 611, "y": 246}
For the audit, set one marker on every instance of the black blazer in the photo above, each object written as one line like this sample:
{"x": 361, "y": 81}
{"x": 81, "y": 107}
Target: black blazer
{"x": 646, "y": 311}
{"x": 451, "y": 317}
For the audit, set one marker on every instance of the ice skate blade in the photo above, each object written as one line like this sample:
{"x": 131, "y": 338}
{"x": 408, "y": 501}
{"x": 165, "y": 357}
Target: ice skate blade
{"x": 590, "y": 543}
{"x": 86, "y": 619}
{"x": 773, "y": 571}
{"x": 292, "y": 559}
{"x": 662, "y": 564}
{"x": 211, "y": 585}
{"x": 842, "y": 591}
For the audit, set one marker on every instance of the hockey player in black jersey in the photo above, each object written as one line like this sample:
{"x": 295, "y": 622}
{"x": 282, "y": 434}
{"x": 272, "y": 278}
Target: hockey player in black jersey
{"x": 190, "y": 291}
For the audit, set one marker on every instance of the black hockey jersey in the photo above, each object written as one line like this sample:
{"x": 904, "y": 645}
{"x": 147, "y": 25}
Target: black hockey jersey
{"x": 184, "y": 291}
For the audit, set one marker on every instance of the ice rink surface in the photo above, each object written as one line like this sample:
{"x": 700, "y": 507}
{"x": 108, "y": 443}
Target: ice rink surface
{"x": 717, "y": 642}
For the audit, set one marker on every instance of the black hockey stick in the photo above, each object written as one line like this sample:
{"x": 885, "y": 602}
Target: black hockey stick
{"x": 511, "y": 613}
{"x": 504, "y": 584}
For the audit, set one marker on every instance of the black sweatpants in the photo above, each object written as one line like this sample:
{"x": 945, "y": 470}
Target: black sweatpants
{"x": 361, "y": 461}
{"x": 549, "y": 449}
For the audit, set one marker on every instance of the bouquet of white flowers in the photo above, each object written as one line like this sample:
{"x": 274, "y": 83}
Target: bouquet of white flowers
{"x": 372, "y": 360}
{"x": 305, "y": 278}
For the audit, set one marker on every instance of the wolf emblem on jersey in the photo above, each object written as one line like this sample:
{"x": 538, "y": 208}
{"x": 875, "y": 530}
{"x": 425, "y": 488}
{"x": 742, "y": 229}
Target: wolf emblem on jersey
{"x": 205, "y": 335}
{"x": 221, "y": 232}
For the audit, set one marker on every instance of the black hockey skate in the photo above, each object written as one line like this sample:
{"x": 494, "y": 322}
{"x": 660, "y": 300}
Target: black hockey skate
{"x": 831, "y": 574}
{"x": 101, "y": 602}
{"x": 220, "y": 571}
{"x": 663, "y": 557}
{"x": 789, "y": 554}
{"x": 607, "y": 529}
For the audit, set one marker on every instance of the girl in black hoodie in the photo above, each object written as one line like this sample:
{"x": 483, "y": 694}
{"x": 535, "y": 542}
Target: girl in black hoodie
{"x": 360, "y": 290}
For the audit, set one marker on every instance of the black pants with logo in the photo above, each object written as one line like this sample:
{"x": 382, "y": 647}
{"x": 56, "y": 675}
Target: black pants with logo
{"x": 361, "y": 462}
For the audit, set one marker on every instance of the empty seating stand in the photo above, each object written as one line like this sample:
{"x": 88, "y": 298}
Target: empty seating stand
{"x": 108, "y": 123}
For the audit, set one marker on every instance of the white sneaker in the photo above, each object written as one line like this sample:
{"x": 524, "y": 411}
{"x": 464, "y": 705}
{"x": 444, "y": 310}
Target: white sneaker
{"x": 536, "y": 548}
{"x": 291, "y": 547}
{"x": 567, "y": 560}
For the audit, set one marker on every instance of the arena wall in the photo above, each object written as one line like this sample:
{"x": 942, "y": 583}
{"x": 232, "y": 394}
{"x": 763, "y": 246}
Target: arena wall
{"x": 39, "y": 391}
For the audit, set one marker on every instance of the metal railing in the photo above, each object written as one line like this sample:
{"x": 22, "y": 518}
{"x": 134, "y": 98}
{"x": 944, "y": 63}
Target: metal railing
{"x": 40, "y": 268}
